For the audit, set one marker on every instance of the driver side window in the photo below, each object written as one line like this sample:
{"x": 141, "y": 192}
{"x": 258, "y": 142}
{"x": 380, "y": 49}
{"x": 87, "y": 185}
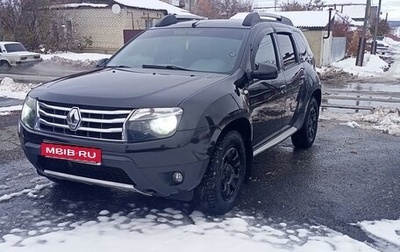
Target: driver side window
{"x": 266, "y": 52}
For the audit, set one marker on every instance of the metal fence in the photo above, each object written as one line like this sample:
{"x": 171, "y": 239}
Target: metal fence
{"x": 338, "y": 50}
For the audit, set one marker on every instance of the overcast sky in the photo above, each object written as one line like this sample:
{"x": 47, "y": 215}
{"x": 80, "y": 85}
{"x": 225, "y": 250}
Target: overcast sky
{"x": 388, "y": 6}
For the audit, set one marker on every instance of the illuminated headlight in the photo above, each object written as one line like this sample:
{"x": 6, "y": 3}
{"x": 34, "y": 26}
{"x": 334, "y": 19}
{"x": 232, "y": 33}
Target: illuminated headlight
{"x": 152, "y": 123}
{"x": 29, "y": 112}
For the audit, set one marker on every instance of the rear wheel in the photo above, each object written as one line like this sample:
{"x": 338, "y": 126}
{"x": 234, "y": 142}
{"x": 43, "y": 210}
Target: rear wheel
{"x": 305, "y": 137}
{"x": 4, "y": 66}
{"x": 218, "y": 191}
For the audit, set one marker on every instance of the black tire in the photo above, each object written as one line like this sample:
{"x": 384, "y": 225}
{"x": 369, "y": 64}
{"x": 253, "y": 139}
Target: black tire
{"x": 305, "y": 137}
{"x": 4, "y": 66}
{"x": 223, "y": 180}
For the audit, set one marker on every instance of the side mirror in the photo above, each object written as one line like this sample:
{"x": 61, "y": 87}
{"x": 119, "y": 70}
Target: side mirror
{"x": 101, "y": 62}
{"x": 265, "y": 72}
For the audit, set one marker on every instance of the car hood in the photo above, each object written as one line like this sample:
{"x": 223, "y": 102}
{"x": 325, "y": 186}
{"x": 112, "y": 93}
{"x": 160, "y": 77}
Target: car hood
{"x": 125, "y": 88}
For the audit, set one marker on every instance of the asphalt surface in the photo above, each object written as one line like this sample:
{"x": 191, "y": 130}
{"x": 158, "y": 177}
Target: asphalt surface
{"x": 349, "y": 175}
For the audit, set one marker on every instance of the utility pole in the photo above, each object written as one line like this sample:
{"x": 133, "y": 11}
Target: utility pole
{"x": 361, "y": 43}
{"x": 377, "y": 18}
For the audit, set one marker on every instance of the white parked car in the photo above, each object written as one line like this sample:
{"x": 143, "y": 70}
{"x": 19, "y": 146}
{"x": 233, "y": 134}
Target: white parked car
{"x": 14, "y": 54}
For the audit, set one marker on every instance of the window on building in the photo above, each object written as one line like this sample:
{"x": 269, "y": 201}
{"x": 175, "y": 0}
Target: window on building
{"x": 68, "y": 25}
{"x": 148, "y": 23}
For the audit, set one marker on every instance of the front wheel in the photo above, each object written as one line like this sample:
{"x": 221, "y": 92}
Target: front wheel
{"x": 4, "y": 66}
{"x": 224, "y": 177}
{"x": 305, "y": 137}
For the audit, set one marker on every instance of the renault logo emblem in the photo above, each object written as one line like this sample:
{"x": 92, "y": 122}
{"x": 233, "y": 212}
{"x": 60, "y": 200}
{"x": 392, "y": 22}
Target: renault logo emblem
{"x": 74, "y": 119}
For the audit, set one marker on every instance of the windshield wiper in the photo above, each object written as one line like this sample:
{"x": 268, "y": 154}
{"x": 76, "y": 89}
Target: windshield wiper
{"x": 172, "y": 67}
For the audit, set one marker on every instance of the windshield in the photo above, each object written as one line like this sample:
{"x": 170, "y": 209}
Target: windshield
{"x": 196, "y": 49}
{"x": 14, "y": 47}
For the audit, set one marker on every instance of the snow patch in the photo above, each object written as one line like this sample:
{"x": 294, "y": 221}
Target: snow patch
{"x": 30, "y": 192}
{"x": 76, "y": 56}
{"x": 6, "y": 110}
{"x": 373, "y": 65}
{"x": 351, "y": 124}
{"x": 386, "y": 230}
{"x": 8, "y": 88}
{"x": 199, "y": 233}
{"x": 383, "y": 119}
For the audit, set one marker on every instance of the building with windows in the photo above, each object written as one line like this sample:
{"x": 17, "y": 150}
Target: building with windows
{"x": 109, "y": 24}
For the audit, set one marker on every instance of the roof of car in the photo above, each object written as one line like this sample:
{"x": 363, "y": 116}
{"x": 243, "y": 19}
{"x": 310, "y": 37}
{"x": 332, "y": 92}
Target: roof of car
{"x": 8, "y": 42}
{"x": 246, "y": 22}
{"x": 210, "y": 23}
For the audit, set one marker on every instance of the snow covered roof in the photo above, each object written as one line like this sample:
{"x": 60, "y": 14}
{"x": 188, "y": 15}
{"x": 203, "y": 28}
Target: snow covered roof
{"x": 142, "y": 4}
{"x": 305, "y": 19}
{"x": 152, "y": 5}
{"x": 76, "y": 5}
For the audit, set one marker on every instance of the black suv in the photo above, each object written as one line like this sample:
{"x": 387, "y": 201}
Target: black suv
{"x": 179, "y": 111}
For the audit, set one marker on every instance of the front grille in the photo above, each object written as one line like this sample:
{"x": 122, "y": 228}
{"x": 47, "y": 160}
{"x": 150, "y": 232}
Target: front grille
{"x": 104, "y": 173}
{"x": 103, "y": 124}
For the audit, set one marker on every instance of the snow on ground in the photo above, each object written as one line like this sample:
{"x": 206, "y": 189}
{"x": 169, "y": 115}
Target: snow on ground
{"x": 8, "y": 110}
{"x": 373, "y": 65}
{"x": 171, "y": 230}
{"x": 386, "y": 230}
{"x": 76, "y": 56}
{"x": 384, "y": 119}
{"x": 10, "y": 89}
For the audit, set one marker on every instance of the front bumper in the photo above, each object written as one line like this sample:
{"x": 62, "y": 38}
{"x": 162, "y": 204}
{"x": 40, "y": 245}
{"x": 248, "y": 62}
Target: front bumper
{"x": 145, "y": 167}
{"x": 27, "y": 62}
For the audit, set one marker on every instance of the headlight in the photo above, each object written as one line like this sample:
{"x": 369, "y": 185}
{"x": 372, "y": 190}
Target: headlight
{"x": 29, "y": 112}
{"x": 152, "y": 123}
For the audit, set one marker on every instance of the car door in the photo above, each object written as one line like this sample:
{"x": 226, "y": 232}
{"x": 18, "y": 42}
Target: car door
{"x": 266, "y": 97}
{"x": 294, "y": 74}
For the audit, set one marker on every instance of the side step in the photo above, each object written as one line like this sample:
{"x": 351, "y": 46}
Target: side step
{"x": 275, "y": 141}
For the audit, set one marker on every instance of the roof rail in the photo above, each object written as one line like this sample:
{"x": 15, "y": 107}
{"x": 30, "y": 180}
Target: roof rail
{"x": 167, "y": 20}
{"x": 251, "y": 19}
{"x": 255, "y": 17}
{"x": 176, "y": 18}
{"x": 279, "y": 18}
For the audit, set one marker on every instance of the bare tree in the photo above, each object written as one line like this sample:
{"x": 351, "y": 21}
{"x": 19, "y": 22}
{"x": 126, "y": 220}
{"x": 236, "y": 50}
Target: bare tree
{"x": 36, "y": 23}
{"x": 222, "y": 8}
{"x": 294, "y": 5}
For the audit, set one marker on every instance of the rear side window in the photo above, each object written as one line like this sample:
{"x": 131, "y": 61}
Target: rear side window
{"x": 286, "y": 49}
{"x": 266, "y": 52}
{"x": 14, "y": 47}
{"x": 300, "y": 45}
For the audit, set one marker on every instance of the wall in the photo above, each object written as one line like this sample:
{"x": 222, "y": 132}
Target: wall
{"x": 314, "y": 38}
{"x": 325, "y": 51}
{"x": 106, "y": 28}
